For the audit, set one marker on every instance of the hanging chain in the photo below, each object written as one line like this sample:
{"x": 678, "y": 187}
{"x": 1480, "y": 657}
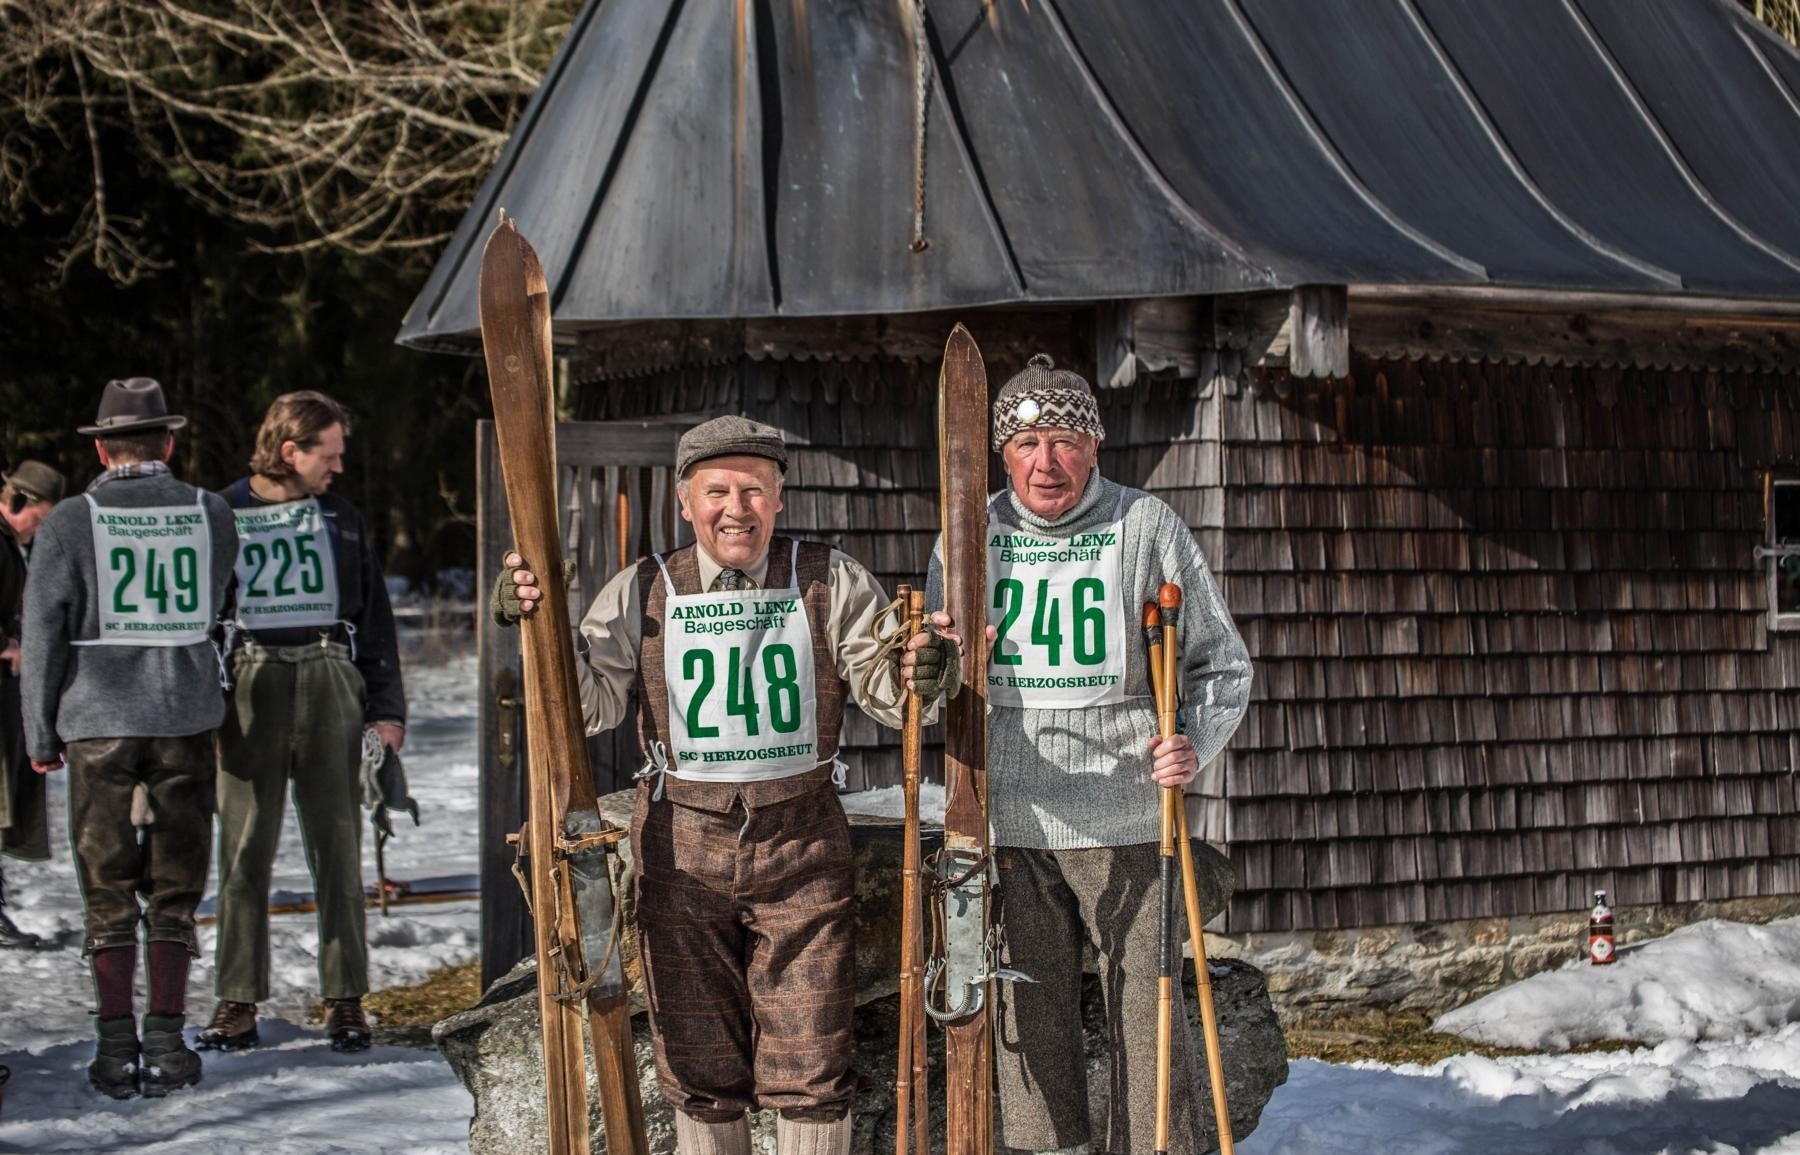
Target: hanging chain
{"x": 921, "y": 93}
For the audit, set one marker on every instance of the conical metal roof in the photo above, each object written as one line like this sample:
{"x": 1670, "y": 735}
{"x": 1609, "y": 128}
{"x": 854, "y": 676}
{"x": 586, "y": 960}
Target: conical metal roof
{"x": 756, "y": 158}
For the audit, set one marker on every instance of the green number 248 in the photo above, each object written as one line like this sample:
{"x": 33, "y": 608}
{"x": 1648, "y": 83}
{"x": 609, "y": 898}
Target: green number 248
{"x": 780, "y": 674}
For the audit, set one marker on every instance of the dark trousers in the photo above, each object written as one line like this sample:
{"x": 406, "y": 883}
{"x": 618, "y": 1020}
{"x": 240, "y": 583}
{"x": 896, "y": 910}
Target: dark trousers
{"x": 296, "y": 717}
{"x": 744, "y": 929}
{"x": 163, "y": 864}
{"x": 1051, "y": 903}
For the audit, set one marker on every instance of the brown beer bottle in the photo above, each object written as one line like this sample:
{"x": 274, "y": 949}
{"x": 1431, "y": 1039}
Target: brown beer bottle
{"x": 1600, "y": 931}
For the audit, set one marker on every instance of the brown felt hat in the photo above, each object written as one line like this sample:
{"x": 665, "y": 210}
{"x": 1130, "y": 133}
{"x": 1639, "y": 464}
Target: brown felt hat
{"x": 132, "y": 405}
{"x": 729, "y": 436}
{"x": 36, "y": 481}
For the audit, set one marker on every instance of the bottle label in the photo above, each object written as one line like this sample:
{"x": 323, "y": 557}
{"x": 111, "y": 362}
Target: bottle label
{"x": 1600, "y": 949}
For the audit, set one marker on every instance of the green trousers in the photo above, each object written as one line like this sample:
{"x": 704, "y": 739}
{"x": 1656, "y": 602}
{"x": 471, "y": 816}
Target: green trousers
{"x": 297, "y": 715}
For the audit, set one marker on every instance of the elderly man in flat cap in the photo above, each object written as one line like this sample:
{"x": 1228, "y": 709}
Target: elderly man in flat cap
{"x": 743, "y": 649}
{"x": 121, "y": 683}
{"x": 27, "y": 495}
{"x": 1075, "y": 758}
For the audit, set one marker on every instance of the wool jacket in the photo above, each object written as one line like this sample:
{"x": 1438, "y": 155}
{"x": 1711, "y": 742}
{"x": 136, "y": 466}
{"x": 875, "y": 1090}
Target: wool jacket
{"x": 362, "y": 590}
{"x": 1070, "y": 779}
{"x": 73, "y": 693}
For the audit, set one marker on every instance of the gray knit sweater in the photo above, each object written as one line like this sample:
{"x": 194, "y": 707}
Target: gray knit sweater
{"x": 1074, "y": 779}
{"x": 77, "y": 692}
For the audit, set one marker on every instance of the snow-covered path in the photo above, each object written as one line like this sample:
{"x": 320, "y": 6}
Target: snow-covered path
{"x": 1721, "y": 1002}
{"x": 292, "y": 1096}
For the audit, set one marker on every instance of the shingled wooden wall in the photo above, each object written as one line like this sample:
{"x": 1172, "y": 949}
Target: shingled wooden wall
{"x": 1509, "y": 631}
{"x": 1508, "y": 628}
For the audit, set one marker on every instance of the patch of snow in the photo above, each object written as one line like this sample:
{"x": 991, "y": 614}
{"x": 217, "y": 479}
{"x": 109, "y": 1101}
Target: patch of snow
{"x": 1711, "y": 980}
{"x": 890, "y": 802}
{"x": 293, "y": 1095}
{"x": 1675, "y": 1098}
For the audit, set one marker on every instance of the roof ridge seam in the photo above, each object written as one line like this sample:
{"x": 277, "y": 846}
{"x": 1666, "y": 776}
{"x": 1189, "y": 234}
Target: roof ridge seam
{"x": 1517, "y": 167}
{"x": 1103, "y": 101}
{"x": 1335, "y": 158}
{"x": 1687, "y": 174}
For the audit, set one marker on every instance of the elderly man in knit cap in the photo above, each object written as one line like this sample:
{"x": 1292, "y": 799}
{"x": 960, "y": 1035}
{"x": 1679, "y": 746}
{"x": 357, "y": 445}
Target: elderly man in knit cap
{"x": 27, "y": 495}
{"x": 743, "y": 650}
{"x": 1075, "y": 759}
{"x": 121, "y": 682}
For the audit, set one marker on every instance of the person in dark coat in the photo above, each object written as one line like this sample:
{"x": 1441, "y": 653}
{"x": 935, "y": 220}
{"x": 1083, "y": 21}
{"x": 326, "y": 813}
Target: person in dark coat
{"x": 120, "y": 682}
{"x": 27, "y": 495}
{"x": 319, "y": 666}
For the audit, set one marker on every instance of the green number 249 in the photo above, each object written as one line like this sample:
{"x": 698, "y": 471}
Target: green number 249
{"x": 183, "y": 566}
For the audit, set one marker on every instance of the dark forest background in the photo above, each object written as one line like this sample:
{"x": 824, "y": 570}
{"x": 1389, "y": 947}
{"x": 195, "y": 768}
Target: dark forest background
{"x": 241, "y": 199}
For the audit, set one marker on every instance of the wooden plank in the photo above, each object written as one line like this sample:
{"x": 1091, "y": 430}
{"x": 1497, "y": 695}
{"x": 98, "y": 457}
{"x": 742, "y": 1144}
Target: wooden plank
{"x": 1319, "y": 333}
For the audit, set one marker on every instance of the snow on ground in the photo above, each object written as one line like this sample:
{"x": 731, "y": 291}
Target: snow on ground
{"x": 1711, "y": 980}
{"x": 1677, "y": 1098}
{"x": 292, "y": 1096}
{"x": 1721, "y": 1001}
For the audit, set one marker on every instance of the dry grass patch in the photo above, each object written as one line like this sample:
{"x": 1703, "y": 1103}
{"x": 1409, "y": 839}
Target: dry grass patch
{"x": 1398, "y": 1038}
{"x": 403, "y": 1016}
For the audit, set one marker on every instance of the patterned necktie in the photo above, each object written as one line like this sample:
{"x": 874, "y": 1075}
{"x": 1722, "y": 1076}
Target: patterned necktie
{"x": 731, "y": 579}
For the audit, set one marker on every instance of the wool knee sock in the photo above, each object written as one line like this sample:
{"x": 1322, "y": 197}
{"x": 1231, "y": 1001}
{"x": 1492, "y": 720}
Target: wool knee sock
{"x": 693, "y": 1137}
{"x": 168, "y": 967}
{"x": 810, "y": 1137}
{"x": 114, "y": 968}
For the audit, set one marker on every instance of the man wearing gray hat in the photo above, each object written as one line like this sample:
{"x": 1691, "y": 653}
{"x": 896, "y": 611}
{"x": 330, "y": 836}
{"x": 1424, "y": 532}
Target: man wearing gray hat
{"x": 743, "y": 650}
{"x": 120, "y": 679}
{"x": 1075, "y": 759}
{"x": 26, "y": 497}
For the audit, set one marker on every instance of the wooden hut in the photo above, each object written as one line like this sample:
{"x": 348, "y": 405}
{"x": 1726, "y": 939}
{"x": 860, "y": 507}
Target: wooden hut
{"x": 1464, "y": 336}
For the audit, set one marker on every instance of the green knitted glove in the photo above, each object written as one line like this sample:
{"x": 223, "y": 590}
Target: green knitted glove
{"x": 937, "y": 668}
{"x": 505, "y": 607}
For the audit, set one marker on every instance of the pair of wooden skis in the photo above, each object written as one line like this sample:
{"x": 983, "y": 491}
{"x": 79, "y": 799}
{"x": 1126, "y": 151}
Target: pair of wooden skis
{"x": 565, "y": 842}
{"x": 954, "y": 987}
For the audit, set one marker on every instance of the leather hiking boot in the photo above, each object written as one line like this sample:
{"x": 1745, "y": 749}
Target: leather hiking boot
{"x": 168, "y": 1063}
{"x": 345, "y": 1023}
{"x": 114, "y": 1071}
{"x": 233, "y": 1028}
{"x": 12, "y": 938}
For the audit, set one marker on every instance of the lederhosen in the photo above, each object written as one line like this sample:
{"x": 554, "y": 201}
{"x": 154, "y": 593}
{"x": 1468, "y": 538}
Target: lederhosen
{"x": 744, "y": 892}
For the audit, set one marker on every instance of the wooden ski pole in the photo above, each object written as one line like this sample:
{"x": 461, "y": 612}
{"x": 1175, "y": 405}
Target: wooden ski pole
{"x": 1165, "y": 896}
{"x": 1169, "y": 598}
{"x": 912, "y": 1107}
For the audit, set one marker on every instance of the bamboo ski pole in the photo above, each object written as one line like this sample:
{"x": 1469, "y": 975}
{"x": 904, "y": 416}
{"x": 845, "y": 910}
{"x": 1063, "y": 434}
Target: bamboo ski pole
{"x": 912, "y": 1108}
{"x": 1169, "y": 598}
{"x": 1165, "y": 982}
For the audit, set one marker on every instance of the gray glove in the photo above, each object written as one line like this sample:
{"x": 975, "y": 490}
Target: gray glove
{"x": 937, "y": 668}
{"x": 505, "y": 607}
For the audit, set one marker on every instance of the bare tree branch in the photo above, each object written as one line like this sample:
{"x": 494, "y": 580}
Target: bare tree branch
{"x": 361, "y": 125}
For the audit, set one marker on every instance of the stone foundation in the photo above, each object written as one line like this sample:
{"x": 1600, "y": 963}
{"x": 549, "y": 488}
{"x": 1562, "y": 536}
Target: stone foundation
{"x": 1430, "y": 968}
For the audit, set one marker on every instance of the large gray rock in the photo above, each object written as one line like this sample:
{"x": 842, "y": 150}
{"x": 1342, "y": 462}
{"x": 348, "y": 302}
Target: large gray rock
{"x": 496, "y": 1048}
{"x": 496, "y": 1051}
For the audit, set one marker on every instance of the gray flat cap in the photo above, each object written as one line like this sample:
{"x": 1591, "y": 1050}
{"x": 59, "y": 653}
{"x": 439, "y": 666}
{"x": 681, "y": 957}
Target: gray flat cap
{"x": 729, "y": 436}
{"x": 37, "y": 481}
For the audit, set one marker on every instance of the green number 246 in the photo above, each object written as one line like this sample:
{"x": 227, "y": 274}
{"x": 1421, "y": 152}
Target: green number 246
{"x": 1088, "y": 620}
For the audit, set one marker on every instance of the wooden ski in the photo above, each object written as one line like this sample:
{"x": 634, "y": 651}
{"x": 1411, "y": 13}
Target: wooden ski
{"x": 570, "y": 895}
{"x": 962, "y": 977}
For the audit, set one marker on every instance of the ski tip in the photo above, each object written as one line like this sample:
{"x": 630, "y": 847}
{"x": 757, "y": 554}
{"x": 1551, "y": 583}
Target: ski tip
{"x": 961, "y": 344}
{"x": 1169, "y": 597}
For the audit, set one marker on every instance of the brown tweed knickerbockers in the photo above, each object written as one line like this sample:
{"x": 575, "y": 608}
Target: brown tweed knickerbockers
{"x": 743, "y": 899}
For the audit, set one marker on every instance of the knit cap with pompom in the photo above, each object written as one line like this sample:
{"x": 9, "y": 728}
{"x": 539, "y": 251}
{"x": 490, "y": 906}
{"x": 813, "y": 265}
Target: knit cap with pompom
{"x": 1041, "y": 396}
